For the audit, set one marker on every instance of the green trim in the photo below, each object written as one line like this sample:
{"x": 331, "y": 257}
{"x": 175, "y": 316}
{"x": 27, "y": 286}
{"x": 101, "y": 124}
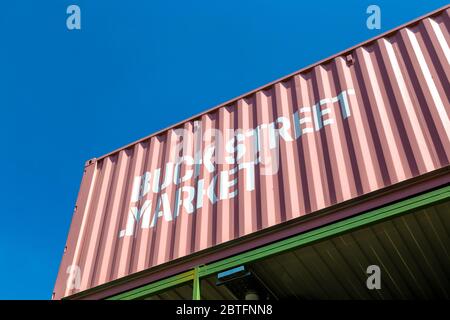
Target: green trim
{"x": 155, "y": 286}
{"x": 196, "y": 289}
{"x": 334, "y": 229}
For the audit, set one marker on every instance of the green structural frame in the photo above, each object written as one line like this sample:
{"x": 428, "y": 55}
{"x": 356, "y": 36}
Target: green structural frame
{"x": 296, "y": 241}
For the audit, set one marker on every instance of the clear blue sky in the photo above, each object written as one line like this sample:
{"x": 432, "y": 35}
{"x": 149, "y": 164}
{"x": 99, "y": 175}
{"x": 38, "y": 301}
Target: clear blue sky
{"x": 135, "y": 67}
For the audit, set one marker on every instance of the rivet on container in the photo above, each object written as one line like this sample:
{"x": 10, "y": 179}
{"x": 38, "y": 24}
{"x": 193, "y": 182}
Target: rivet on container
{"x": 350, "y": 60}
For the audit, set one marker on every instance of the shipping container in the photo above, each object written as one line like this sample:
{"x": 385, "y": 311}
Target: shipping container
{"x": 368, "y": 119}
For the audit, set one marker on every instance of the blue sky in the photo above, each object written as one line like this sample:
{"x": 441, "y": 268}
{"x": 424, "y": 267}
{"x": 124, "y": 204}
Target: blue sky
{"x": 134, "y": 67}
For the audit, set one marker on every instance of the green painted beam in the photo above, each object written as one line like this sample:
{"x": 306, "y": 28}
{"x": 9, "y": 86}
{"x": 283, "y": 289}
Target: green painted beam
{"x": 196, "y": 289}
{"x": 155, "y": 287}
{"x": 327, "y": 231}
{"x": 303, "y": 239}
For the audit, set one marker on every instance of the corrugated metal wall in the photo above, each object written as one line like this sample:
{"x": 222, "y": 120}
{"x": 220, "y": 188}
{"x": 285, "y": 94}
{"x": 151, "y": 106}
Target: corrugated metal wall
{"x": 372, "y": 117}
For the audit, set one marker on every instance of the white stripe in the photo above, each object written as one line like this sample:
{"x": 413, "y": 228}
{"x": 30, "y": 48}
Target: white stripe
{"x": 305, "y": 119}
{"x": 324, "y": 101}
{"x": 326, "y": 111}
{"x": 430, "y": 82}
{"x": 441, "y": 39}
{"x": 409, "y": 106}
